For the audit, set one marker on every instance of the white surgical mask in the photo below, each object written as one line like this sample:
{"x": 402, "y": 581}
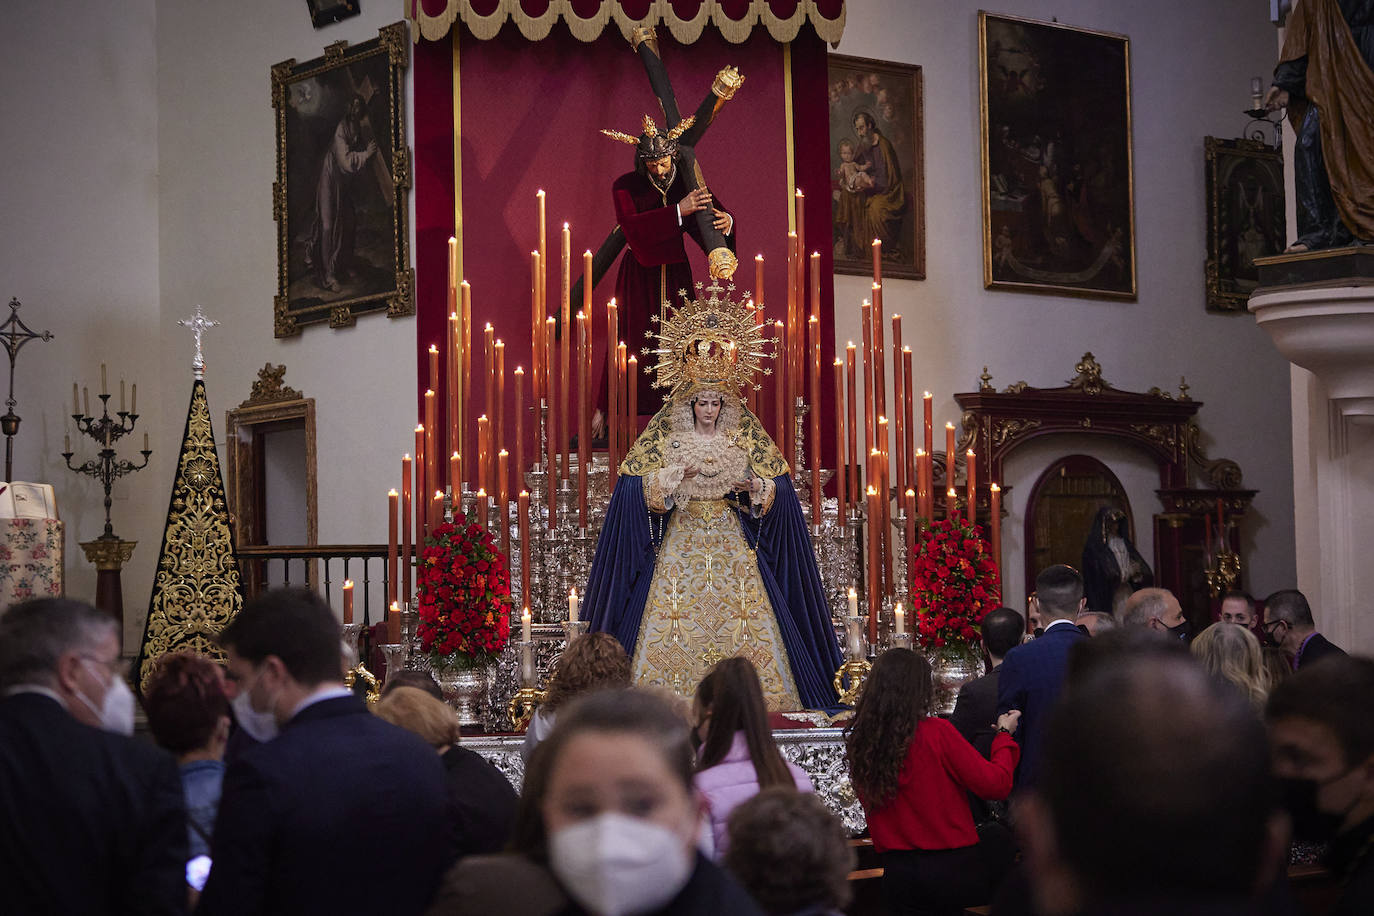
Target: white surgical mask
{"x": 116, "y": 710}
{"x": 615, "y": 865}
{"x": 260, "y": 726}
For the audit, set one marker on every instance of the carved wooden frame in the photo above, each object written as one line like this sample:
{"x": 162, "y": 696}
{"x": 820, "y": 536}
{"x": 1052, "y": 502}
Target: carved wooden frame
{"x": 1158, "y": 423}
{"x": 272, "y": 404}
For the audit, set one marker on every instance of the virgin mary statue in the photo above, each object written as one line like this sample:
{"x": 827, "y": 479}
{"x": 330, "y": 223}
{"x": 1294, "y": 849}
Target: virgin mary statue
{"x": 704, "y": 553}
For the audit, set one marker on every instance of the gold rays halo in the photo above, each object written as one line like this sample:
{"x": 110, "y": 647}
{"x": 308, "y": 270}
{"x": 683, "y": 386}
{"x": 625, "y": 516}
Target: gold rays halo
{"x": 713, "y": 340}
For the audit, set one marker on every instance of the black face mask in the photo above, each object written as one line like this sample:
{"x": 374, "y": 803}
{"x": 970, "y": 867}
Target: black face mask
{"x": 1310, "y": 823}
{"x": 1182, "y": 631}
{"x": 1267, "y": 638}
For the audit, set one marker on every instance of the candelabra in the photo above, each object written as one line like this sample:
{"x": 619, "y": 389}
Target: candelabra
{"x": 355, "y": 669}
{"x": 522, "y": 704}
{"x": 106, "y": 467}
{"x": 1223, "y": 574}
{"x": 855, "y": 668}
{"x": 14, "y": 333}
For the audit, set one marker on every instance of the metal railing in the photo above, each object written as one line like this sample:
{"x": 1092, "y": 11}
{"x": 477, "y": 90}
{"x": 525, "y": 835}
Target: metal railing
{"x": 322, "y": 567}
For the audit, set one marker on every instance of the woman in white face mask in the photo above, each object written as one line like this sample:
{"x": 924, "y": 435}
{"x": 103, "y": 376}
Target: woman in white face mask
{"x": 607, "y": 824}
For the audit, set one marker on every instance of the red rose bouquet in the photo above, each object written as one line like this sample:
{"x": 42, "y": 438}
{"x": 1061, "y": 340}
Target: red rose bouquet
{"x": 955, "y": 582}
{"x": 464, "y": 596}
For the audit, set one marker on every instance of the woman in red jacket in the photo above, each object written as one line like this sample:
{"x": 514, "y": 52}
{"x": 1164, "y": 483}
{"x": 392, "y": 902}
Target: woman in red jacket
{"x": 912, "y": 771}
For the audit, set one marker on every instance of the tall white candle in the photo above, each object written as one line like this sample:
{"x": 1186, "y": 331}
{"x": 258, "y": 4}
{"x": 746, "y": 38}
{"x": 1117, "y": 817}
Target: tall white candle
{"x": 573, "y": 606}
{"x": 901, "y": 619}
{"x": 853, "y": 603}
{"x": 525, "y": 625}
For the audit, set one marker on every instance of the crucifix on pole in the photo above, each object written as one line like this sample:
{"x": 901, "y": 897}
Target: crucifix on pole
{"x": 14, "y": 333}
{"x": 198, "y": 324}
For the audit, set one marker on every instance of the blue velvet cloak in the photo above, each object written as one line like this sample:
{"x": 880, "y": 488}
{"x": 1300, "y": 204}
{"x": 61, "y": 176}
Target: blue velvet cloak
{"x": 623, "y": 571}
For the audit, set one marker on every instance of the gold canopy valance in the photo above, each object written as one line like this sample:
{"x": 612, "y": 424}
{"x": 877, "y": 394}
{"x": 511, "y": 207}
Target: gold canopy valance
{"x": 685, "y": 20}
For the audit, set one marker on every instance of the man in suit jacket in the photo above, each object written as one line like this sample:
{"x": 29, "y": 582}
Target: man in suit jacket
{"x": 975, "y": 711}
{"x": 1033, "y": 674}
{"x": 336, "y": 782}
{"x": 91, "y": 821}
{"x": 1292, "y": 629}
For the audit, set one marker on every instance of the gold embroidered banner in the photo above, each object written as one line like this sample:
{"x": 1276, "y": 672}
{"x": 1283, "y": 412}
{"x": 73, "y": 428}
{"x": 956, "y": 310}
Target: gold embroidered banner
{"x": 196, "y": 586}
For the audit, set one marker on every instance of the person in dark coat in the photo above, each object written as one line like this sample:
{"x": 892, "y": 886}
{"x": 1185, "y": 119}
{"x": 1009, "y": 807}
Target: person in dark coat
{"x": 976, "y": 707}
{"x": 329, "y": 780}
{"x": 481, "y": 800}
{"x": 1290, "y": 626}
{"x": 1033, "y": 674}
{"x": 93, "y": 821}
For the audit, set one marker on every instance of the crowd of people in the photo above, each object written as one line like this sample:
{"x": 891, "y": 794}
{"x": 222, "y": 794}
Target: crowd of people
{"x": 1108, "y": 764}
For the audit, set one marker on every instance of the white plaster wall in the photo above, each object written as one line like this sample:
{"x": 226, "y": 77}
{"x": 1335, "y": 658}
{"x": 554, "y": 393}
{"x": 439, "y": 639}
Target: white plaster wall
{"x": 1191, "y": 65}
{"x": 79, "y": 248}
{"x": 218, "y": 242}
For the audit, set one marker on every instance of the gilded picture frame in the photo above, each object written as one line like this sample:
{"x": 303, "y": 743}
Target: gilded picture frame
{"x": 340, "y": 200}
{"x": 1058, "y": 191}
{"x": 879, "y": 192}
{"x": 1245, "y": 217}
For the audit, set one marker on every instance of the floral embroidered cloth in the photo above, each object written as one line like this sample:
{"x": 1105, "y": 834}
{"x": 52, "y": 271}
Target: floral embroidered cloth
{"x": 30, "y": 559}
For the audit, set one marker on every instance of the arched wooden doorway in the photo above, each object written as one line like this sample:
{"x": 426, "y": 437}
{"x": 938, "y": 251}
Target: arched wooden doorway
{"x": 1062, "y": 505}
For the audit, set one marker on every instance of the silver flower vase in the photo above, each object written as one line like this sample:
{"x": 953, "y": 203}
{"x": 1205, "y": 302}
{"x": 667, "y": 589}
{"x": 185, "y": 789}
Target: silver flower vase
{"x": 463, "y": 688}
{"x": 952, "y": 667}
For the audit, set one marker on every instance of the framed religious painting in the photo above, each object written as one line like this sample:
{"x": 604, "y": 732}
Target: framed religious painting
{"x": 877, "y": 167}
{"x": 1245, "y": 217}
{"x": 1057, "y": 188}
{"x": 343, "y": 173}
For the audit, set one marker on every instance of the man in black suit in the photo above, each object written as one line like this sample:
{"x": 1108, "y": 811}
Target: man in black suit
{"x": 1033, "y": 674}
{"x": 91, "y": 821}
{"x": 975, "y": 712}
{"x": 1290, "y": 627}
{"x": 335, "y": 783}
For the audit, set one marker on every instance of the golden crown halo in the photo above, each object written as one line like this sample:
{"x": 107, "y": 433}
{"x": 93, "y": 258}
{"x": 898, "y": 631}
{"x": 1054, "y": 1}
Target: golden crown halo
{"x": 712, "y": 341}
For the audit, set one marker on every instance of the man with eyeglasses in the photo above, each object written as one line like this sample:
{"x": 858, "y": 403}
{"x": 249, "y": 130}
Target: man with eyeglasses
{"x": 93, "y": 820}
{"x": 1292, "y": 629}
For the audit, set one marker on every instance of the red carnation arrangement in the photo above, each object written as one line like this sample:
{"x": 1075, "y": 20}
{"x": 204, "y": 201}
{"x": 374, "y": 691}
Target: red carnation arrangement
{"x": 464, "y": 596}
{"x": 955, "y": 582}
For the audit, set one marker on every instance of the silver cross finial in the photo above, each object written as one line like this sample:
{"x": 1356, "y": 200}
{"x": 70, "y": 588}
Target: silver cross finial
{"x": 198, "y": 324}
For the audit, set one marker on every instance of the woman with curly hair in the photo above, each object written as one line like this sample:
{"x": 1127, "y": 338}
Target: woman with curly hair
{"x": 911, "y": 771}
{"x": 738, "y": 754}
{"x": 188, "y": 714}
{"x": 1233, "y": 654}
{"x": 592, "y": 661}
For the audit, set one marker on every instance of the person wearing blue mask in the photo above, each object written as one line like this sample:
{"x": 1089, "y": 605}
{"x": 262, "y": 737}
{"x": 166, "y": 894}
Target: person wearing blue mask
{"x": 94, "y": 820}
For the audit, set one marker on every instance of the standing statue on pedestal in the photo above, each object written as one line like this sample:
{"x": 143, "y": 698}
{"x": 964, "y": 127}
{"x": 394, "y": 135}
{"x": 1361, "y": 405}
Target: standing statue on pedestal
{"x": 1324, "y": 79}
{"x": 704, "y": 553}
{"x": 1113, "y": 569}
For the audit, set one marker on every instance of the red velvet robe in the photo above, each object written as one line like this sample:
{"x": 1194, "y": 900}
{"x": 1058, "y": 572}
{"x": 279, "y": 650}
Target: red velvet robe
{"x": 654, "y": 269}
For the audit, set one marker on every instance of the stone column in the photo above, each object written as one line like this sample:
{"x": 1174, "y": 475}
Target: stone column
{"x": 1326, "y": 329}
